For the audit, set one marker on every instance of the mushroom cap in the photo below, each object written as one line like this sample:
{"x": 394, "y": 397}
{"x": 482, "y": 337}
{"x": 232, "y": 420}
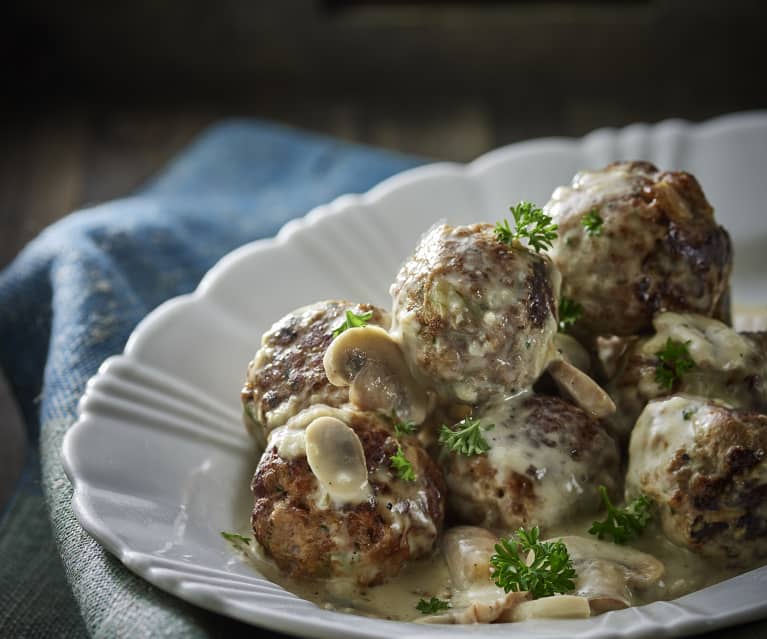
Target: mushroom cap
{"x": 476, "y": 317}
{"x": 369, "y": 361}
{"x": 659, "y": 247}
{"x": 705, "y": 466}
{"x": 287, "y": 373}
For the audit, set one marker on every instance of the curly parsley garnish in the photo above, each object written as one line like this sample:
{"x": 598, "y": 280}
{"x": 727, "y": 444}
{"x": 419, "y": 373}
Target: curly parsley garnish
{"x": 402, "y": 465}
{"x": 239, "y": 542}
{"x": 531, "y": 223}
{"x": 431, "y": 606}
{"x": 592, "y": 222}
{"x": 523, "y": 562}
{"x": 623, "y": 524}
{"x": 569, "y": 313}
{"x": 401, "y": 427}
{"x": 353, "y": 321}
{"x": 465, "y": 437}
{"x": 673, "y": 362}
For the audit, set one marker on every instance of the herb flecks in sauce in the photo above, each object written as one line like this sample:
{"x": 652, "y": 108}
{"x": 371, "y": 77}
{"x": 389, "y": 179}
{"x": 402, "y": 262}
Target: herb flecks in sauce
{"x": 402, "y": 465}
{"x": 673, "y": 362}
{"x": 465, "y": 437}
{"x": 432, "y": 606}
{"x": 525, "y": 563}
{"x": 592, "y": 222}
{"x": 569, "y": 313}
{"x": 353, "y": 321}
{"x": 623, "y": 524}
{"x": 531, "y": 223}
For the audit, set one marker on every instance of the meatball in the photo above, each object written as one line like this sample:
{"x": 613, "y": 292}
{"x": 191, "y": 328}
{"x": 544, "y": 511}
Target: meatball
{"x": 287, "y": 373}
{"x": 728, "y": 366}
{"x": 475, "y": 317}
{"x": 705, "y": 466}
{"x": 545, "y": 462}
{"x": 658, "y": 247}
{"x": 310, "y": 533}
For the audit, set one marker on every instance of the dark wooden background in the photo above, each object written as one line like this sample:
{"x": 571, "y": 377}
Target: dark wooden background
{"x": 98, "y": 95}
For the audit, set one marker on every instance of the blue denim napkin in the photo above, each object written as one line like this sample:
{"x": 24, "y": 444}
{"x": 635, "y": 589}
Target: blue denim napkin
{"x": 71, "y": 299}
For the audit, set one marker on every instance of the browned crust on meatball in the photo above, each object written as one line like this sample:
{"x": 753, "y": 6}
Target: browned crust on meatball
{"x": 288, "y": 367}
{"x": 471, "y": 260}
{"x": 479, "y": 495}
{"x": 659, "y": 250}
{"x": 719, "y": 505}
{"x": 357, "y": 541}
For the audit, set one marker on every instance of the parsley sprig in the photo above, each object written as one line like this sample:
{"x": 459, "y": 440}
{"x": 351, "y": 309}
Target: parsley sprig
{"x": 402, "y": 465}
{"x": 406, "y": 427}
{"x": 431, "y": 606}
{"x": 623, "y": 524}
{"x": 465, "y": 437}
{"x": 569, "y": 313}
{"x": 524, "y": 562}
{"x": 592, "y": 222}
{"x": 673, "y": 362}
{"x": 239, "y": 542}
{"x": 353, "y": 321}
{"x": 531, "y": 223}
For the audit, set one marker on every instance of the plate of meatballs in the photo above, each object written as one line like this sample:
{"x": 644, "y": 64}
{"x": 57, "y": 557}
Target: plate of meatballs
{"x": 529, "y": 393}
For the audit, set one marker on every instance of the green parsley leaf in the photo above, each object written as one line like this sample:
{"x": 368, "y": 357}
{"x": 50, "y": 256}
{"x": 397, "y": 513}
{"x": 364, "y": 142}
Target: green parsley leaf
{"x": 623, "y": 524}
{"x": 402, "y": 465}
{"x": 531, "y": 223}
{"x": 431, "y": 606}
{"x": 403, "y": 427}
{"x": 592, "y": 222}
{"x": 465, "y": 437}
{"x": 687, "y": 413}
{"x": 673, "y": 362}
{"x": 353, "y": 321}
{"x": 237, "y": 540}
{"x": 524, "y": 563}
{"x": 569, "y": 313}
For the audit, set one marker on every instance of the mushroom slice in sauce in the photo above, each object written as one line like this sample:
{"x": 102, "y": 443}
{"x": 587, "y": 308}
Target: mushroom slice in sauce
{"x": 369, "y": 361}
{"x": 476, "y": 599}
{"x": 583, "y": 390}
{"x": 608, "y": 574}
{"x": 554, "y": 607}
{"x": 337, "y": 459}
{"x": 571, "y": 350}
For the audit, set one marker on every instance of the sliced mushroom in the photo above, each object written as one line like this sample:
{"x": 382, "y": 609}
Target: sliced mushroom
{"x": 476, "y": 599}
{"x": 607, "y": 574}
{"x": 467, "y": 551}
{"x": 337, "y": 459}
{"x": 571, "y": 350}
{"x": 554, "y": 607}
{"x": 583, "y": 390}
{"x": 369, "y": 361}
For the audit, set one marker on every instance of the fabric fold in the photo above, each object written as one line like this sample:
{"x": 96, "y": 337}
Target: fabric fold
{"x": 72, "y": 298}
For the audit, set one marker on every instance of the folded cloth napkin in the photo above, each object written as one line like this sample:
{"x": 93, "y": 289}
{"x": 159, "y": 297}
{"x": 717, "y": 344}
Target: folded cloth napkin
{"x": 71, "y": 299}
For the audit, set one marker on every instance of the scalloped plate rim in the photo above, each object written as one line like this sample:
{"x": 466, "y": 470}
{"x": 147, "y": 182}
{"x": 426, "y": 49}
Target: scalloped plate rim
{"x": 179, "y": 586}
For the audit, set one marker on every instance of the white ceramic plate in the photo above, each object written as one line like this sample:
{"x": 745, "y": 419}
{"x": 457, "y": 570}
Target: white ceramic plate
{"x": 159, "y": 459}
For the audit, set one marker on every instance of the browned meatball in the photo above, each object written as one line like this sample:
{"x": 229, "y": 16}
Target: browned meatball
{"x": 287, "y": 374}
{"x": 475, "y": 316}
{"x": 705, "y": 465}
{"x": 545, "y": 462}
{"x": 368, "y": 540}
{"x": 728, "y": 366}
{"x": 658, "y": 248}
